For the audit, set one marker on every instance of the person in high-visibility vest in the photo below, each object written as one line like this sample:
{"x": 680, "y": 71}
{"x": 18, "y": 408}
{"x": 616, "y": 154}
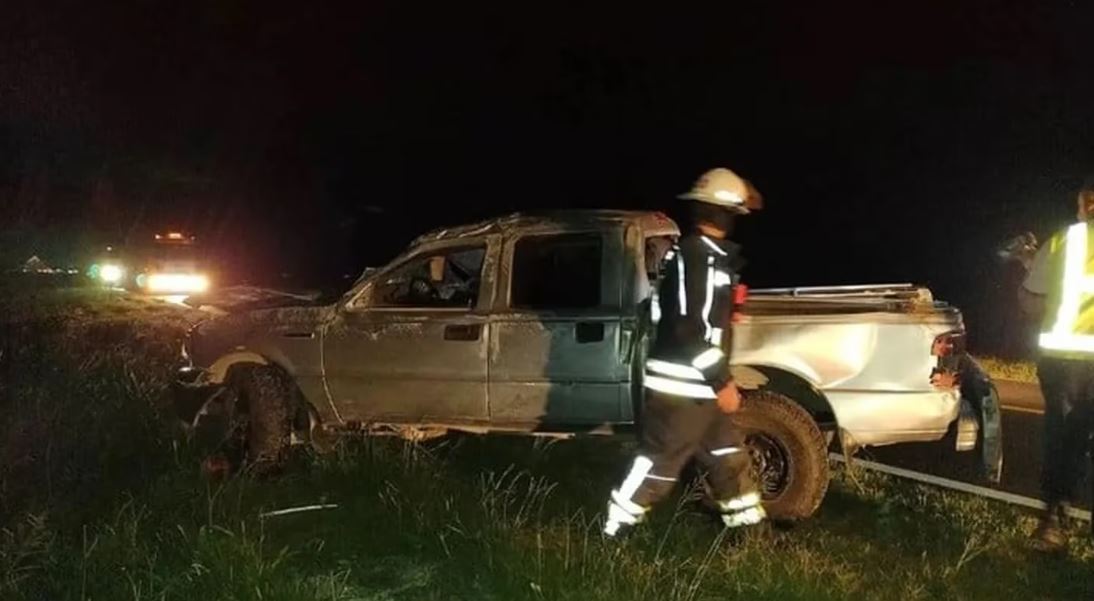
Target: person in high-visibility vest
{"x": 687, "y": 379}
{"x": 1059, "y": 291}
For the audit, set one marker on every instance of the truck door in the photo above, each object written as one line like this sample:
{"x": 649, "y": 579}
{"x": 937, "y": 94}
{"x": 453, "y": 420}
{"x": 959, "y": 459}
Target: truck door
{"x": 555, "y": 347}
{"x": 412, "y": 347}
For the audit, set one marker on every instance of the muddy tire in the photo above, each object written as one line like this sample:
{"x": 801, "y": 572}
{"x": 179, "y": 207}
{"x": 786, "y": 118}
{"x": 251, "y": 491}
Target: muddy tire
{"x": 789, "y": 454}
{"x": 248, "y": 424}
{"x": 267, "y": 395}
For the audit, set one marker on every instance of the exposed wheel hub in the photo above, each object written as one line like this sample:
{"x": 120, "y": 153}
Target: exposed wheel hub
{"x": 770, "y": 464}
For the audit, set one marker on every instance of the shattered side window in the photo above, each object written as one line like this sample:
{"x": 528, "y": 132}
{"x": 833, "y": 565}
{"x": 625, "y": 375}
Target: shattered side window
{"x": 449, "y": 280}
{"x": 656, "y": 249}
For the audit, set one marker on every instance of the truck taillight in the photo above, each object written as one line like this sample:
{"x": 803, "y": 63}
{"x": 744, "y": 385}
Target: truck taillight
{"x": 740, "y": 295}
{"x": 949, "y": 348}
{"x": 949, "y": 344}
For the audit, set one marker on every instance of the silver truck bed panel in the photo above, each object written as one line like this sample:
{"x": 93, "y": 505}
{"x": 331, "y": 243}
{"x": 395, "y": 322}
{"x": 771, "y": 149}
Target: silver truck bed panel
{"x": 873, "y": 368}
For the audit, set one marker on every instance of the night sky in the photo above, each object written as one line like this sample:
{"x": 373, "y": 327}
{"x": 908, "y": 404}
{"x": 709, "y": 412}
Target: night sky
{"x": 891, "y": 144}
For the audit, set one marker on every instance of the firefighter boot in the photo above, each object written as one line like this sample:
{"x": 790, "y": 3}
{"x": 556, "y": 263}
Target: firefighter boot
{"x": 623, "y": 515}
{"x": 744, "y": 510}
{"x": 1049, "y": 537}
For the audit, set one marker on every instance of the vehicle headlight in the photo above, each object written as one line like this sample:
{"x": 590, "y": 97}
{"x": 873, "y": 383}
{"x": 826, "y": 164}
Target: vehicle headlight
{"x": 176, "y": 283}
{"x": 111, "y": 274}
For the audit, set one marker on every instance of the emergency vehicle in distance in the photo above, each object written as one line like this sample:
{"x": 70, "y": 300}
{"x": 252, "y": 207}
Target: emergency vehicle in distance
{"x": 169, "y": 264}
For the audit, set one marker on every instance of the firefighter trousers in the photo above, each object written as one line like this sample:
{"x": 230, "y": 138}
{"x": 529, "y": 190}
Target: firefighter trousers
{"x": 675, "y": 430}
{"x": 1068, "y": 388}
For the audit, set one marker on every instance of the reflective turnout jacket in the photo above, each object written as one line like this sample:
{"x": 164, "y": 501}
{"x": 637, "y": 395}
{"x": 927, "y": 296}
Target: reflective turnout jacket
{"x": 1064, "y": 272}
{"x": 692, "y": 309}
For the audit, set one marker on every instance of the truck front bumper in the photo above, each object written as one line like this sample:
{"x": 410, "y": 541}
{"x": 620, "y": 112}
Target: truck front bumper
{"x": 190, "y": 391}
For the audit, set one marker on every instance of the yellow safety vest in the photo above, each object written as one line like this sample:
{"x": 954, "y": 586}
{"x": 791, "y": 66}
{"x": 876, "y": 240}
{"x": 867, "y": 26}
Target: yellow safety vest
{"x": 1069, "y": 317}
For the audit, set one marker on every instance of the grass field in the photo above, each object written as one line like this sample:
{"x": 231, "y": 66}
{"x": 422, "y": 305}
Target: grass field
{"x": 100, "y": 499}
{"x": 1016, "y": 371}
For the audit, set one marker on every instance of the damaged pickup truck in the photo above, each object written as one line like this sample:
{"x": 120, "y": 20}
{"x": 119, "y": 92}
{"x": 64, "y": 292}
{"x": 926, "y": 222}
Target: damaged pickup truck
{"x": 539, "y": 324}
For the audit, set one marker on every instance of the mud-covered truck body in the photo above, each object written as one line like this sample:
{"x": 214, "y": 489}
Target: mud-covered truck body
{"x": 540, "y": 324}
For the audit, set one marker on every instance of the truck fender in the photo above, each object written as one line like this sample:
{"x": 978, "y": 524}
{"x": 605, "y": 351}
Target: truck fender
{"x": 218, "y": 371}
{"x": 790, "y": 385}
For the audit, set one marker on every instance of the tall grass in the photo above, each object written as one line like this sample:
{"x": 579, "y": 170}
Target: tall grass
{"x": 84, "y": 382}
{"x": 408, "y": 527}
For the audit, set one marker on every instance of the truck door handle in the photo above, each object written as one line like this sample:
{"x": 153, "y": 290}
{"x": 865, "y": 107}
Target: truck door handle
{"x": 463, "y": 331}
{"x": 589, "y": 331}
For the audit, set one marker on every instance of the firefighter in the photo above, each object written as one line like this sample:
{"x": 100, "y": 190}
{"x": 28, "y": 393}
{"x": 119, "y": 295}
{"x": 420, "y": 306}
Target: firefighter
{"x": 687, "y": 380}
{"x": 1059, "y": 292}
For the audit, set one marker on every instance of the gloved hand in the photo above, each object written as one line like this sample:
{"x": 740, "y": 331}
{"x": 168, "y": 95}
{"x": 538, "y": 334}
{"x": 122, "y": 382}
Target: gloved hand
{"x": 729, "y": 399}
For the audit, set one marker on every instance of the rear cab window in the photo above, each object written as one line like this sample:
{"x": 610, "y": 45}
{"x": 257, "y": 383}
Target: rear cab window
{"x": 557, "y": 272}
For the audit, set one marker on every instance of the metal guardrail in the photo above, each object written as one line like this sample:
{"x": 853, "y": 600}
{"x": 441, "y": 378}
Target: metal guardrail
{"x": 965, "y": 487}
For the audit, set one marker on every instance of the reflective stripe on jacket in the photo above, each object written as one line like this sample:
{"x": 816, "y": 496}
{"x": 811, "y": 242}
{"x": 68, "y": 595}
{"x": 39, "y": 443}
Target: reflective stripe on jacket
{"x": 1068, "y": 329}
{"x": 694, "y": 305}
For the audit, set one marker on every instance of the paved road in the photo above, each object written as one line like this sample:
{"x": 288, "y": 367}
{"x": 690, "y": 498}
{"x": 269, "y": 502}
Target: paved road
{"x": 1021, "y": 443}
{"x": 1020, "y": 396}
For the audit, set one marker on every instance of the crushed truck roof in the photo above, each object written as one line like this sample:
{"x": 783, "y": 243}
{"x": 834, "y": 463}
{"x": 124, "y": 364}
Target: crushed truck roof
{"x": 650, "y": 221}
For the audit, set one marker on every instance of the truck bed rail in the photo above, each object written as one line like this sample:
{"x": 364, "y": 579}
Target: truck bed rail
{"x": 867, "y": 290}
{"x": 895, "y": 298}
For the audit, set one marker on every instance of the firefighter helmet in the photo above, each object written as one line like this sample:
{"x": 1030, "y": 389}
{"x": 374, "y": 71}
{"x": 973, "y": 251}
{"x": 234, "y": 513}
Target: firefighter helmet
{"x": 726, "y": 189}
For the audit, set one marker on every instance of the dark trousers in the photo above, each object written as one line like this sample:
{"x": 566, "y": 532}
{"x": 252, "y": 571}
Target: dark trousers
{"x": 1068, "y": 388}
{"x": 676, "y": 430}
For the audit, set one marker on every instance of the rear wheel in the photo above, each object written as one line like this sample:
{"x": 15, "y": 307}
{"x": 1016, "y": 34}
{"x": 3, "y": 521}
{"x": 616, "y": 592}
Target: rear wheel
{"x": 789, "y": 454}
